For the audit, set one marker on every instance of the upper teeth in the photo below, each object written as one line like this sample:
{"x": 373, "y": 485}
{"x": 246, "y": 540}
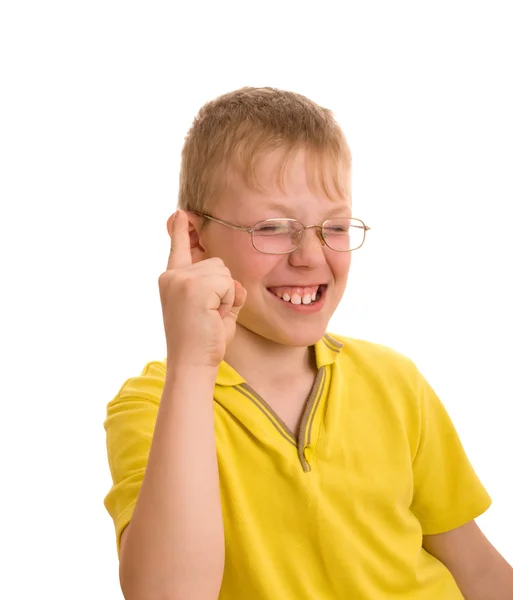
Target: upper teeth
{"x": 298, "y": 295}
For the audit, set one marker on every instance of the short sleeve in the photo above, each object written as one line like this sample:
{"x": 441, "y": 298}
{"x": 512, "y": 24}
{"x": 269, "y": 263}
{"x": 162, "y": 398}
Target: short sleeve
{"x": 447, "y": 490}
{"x": 129, "y": 426}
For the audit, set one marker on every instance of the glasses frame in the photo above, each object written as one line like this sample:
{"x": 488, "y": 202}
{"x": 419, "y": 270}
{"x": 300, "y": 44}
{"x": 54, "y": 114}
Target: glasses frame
{"x": 305, "y": 227}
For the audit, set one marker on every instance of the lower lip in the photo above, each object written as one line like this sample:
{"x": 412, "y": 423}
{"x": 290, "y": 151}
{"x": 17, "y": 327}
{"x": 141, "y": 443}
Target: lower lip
{"x": 303, "y": 308}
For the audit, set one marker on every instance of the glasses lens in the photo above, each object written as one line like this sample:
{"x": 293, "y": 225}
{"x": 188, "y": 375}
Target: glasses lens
{"x": 277, "y": 236}
{"x": 344, "y": 234}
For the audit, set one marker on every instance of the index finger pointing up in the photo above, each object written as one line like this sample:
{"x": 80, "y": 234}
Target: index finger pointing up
{"x": 180, "y": 255}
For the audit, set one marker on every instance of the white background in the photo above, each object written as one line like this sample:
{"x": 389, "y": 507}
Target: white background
{"x": 96, "y": 99}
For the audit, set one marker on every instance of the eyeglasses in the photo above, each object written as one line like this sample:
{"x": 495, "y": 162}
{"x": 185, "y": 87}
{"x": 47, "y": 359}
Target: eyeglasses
{"x": 282, "y": 236}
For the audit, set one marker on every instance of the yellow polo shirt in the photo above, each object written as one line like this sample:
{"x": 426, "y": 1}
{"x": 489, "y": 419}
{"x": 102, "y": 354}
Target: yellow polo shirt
{"x": 337, "y": 513}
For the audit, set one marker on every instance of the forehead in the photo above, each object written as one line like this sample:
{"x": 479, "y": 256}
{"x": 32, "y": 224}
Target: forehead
{"x": 278, "y": 184}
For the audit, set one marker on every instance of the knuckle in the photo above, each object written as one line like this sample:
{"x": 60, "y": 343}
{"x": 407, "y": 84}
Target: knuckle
{"x": 176, "y": 279}
{"x": 217, "y": 261}
{"x": 229, "y": 275}
{"x": 163, "y": 278}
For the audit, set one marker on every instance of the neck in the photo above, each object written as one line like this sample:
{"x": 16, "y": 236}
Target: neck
{"x": 255, "y": 357}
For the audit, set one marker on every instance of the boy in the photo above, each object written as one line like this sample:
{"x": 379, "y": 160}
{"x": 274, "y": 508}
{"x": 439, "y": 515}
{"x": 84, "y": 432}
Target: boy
{"x": 265, "y": 459}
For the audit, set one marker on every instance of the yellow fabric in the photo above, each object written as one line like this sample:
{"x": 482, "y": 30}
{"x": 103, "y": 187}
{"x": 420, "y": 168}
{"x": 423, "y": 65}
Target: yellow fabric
{"x": 339, "y": 514}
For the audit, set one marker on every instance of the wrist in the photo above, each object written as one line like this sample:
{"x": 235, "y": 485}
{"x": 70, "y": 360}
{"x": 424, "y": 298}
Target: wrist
{"x": 177, "y": 372}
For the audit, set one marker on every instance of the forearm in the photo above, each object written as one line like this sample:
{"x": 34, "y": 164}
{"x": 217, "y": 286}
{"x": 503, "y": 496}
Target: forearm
{"x": 495, "y": 583}
{"x": 175, "y": 546}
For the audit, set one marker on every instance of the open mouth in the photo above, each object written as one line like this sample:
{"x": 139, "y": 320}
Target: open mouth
{"x": 300, "y": 295}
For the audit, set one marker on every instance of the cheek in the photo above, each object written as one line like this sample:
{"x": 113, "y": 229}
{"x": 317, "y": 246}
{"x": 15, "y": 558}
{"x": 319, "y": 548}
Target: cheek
{"x": 246, "y": 265}
{"x": 254, "y": 268}
{"x": 340, "y": 265}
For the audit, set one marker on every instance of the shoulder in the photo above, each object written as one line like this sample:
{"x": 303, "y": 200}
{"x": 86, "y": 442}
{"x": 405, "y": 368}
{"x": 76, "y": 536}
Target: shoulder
{"x": 388, "y": 380}
{"x": 375, "y": 360}
{"x": 148, "y": 385}
{"x": 368, "y": 350}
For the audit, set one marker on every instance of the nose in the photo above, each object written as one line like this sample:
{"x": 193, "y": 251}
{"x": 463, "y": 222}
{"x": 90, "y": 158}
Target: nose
{"x": 309, "y": 252}
{"x": 317, "y": 231}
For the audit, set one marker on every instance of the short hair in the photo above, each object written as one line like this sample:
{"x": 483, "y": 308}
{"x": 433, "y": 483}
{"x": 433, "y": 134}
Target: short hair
{"x": 235, "y": 129}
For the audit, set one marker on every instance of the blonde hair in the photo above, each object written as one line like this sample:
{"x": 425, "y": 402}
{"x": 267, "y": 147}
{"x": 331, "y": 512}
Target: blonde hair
{"x": 235, "y": 129}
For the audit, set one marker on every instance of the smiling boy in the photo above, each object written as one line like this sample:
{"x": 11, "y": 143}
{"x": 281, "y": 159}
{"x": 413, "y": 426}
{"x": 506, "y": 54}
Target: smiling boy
{"x": 265, "y": 458}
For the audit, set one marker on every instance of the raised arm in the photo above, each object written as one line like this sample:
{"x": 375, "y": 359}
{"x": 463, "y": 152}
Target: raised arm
{"x": 173, "y": 548}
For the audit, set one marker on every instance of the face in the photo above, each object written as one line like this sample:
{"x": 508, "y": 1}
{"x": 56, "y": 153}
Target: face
{"x": 267, "y": 277}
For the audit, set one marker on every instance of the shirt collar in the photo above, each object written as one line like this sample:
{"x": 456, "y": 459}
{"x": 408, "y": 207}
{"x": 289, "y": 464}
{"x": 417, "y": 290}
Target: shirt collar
{"x": 327, "y": 350}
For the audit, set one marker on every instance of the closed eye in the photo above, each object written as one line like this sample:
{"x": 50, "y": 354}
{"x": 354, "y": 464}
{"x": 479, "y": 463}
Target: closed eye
{"x": 271, "y": 229}
{"x": 336, "y": 229}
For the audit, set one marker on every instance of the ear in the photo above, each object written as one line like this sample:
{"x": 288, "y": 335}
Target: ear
{"x": 197, "y": 250}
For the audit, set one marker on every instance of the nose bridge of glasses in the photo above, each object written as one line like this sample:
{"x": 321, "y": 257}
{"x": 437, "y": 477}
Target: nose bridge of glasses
{"x": 317, "y": 231}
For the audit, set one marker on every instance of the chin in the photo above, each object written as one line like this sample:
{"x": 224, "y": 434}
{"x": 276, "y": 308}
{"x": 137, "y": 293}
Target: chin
{"x": 284, "y": 324}
{"x": 290, "y": 336}
{"x": 303, "y": 339}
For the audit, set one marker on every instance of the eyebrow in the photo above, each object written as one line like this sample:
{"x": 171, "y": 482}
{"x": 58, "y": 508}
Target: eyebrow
{"x": 346, "y": 208}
